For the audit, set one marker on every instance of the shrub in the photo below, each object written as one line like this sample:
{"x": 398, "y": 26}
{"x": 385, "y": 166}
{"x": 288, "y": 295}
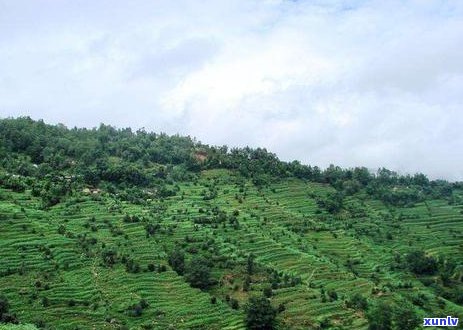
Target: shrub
{"x": 260, "y": 315}
{"x": 405, "y": 316}
{"x": 234, "y": 303}
{"x": 333, "y": 295}
{"x": 198, "y": 273}
{"x": 5, "y": 316}
{"x": 419, "y": 263}
{"x": 380, "y": 317}
{"x": 267, "y": 292}
{"x": 357, "y": 301}
{"x": 176, "y": 260}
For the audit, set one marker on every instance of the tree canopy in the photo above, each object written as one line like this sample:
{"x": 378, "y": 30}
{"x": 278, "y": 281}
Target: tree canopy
{"x": 107, "y": 155}
{"x": 260, "y": 315}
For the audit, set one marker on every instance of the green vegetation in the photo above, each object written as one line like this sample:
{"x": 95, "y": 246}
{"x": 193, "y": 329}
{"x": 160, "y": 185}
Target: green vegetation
{"x": 114, "y": 229}
{"x": 260, "y": 314}
{"x": 10, "y": 326}
{"x": 5, "y": 315}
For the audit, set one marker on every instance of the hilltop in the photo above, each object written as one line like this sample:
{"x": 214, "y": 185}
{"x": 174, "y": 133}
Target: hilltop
{"x": 108, "y": 228}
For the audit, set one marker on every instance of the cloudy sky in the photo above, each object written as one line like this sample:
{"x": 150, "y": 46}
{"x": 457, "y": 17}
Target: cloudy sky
{"x": 353, "y": 83}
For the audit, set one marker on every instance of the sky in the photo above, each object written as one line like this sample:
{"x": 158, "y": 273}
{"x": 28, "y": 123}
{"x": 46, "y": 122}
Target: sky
{"x": 350, "y": 83}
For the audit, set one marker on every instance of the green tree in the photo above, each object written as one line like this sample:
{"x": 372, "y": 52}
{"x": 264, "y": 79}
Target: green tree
{"x": 357, "y": 301}
{"x": 198, "y": 273}
{"x": 380, "y": 316}
{"x": 260, "y": 315}
{"x": 109, "y": 257}
{"x": 267, "y": 291}
{"x": 405, "y": 316}
{"x": 4, "y": 305}
{"x": 419, "y": 263}
{"x": 333, "y": 202}
{"x": 247, "y": 283}
{"x": 177, "y": 261}
{"x": 250, "y": 264}
{"x": 234, "y": 303}
{"x": 5, "y": 315}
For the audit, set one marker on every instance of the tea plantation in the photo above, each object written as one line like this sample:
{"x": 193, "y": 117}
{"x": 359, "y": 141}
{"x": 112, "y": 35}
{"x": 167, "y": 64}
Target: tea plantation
{"x": 94, "y": 234}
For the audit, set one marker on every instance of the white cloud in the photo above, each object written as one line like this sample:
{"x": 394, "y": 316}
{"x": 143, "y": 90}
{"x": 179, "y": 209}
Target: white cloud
{"x": 353, "y": 83}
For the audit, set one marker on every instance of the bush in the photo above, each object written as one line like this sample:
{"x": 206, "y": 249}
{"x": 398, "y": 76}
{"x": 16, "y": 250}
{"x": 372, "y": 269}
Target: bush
{"x": 333, "y": 295}
{"x": 260, "y": 315}
{"x": 109, "y": 257}
{"x": 380, "y": 317}
{"x": 144, "y": 304}
{"x": 419, "y": 263}
{"x": 267, "y": 292}
{"x": 405, "y": 316}
{"x": 45, "y": 302}
{"x": 198, "y": 273}
{"x": 357, "y": 301}
{"x": 135, "y": 310}
{"x": 5, "y": 316}
{"x": 247, "y": 283}
{"x": 176, "y": 260}
{"x": 234, "y": 303}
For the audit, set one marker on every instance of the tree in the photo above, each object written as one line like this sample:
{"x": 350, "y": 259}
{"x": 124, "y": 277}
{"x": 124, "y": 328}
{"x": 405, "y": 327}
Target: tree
{"x": 198, "y": 273}
{"x": 405, "y": 316}
{"x": 260, "y": 315}
{"x": 333, "y": 202}
{"x": 234, "y": 303}
{"x": 109, "y": 257}
{"x": 135, "y": 310}
{"x": 177, "y": 261}
{"x": 5, "y": 316}
{"x": 419, "y": 263}
{"x": 250, "y": 264}
{"x": 333, "y": 295}
{"x": 4, "y": 305}
{"x": 357, "y": 301}
{"x": 380, "y": 317}
{"x": 267, "y": 291}
{"x": 247, "y": 283}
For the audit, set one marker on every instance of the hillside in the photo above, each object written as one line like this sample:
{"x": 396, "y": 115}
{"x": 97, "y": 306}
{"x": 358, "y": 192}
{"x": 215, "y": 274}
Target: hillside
{"x": 112, "y": 229}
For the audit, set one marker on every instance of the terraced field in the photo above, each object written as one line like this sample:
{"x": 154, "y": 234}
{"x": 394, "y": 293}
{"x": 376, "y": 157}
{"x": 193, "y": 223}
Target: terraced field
{"x": 53, "y": 273}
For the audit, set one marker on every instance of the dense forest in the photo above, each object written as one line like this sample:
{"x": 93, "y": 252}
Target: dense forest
{"x": 111, "y": 228}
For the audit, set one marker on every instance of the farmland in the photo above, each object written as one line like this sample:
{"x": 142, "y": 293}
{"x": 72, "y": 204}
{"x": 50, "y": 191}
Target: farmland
{"x": 99, "y": 258}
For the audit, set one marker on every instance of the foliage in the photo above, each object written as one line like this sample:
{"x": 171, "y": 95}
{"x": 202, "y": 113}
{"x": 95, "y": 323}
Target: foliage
{"x": 250, "y": 264}
{"x": 5, "y": 315}
{"x": 122, "y": 157}
{"x": 92, "y": 217}
{"x": 357, "y": 301}
{"x": 260, "y": 314}
{"x": 197, "y": 273}
{"x": 380, "y": 316}
{"x": 419, "y": 263}
{"x": 405, "y": 316}
{"x": 176, "y": 260}
{"x": 333, "y": 202}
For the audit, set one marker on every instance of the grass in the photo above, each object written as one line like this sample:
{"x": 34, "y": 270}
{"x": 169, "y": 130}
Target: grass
{"x": 54, "y": 276}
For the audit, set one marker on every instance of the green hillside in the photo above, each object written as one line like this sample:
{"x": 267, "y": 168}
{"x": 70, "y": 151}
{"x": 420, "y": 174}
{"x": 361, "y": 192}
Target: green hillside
{"x": 114, "y": 229}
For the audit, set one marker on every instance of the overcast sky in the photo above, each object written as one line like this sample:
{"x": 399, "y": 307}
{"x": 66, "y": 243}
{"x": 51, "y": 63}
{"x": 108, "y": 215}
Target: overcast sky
{"x": 353, "y": 83}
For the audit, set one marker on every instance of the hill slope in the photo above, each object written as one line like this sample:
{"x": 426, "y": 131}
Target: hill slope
{"x": 112, "y": 229}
